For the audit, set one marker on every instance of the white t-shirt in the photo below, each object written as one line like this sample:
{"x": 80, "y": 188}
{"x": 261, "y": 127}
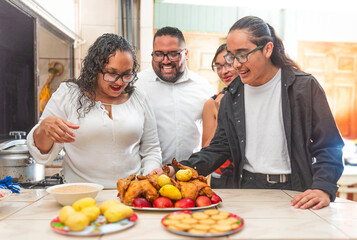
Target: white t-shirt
{"x": 178, "y": 110}
{"x": 104, "y": 150}
{"x": 266, "y": 149}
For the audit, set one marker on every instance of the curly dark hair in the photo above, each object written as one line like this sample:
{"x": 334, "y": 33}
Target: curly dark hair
{"x": 97, "y": 58}
{"x": 260, "y": 34}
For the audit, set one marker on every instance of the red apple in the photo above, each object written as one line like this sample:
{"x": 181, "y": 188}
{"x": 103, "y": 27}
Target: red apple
{"x": 215, "y": 199}
{"x": 203, "y": 201}
{"x": 141, "y": 202}
{"x": 185, "y": 203}
{"x": 162, "y": 202}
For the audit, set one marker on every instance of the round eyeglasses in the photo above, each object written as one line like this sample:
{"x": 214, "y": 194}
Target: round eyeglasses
{"x": 218, "y": 67}
{"x": 241, "y": 57}
{"x": 113, "y": 77}
{"x": 173, "y": 56}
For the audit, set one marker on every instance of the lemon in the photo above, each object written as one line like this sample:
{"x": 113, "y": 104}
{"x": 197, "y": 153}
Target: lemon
{"x": 65, "y": 212}
{"x": 117, "y": 212}
{"x": 184, "y": 175}
{"x": 91, "y": 212}
{"x": 171, "y": 192}
{"x": 77, "y": 221}
{"x": 83, "y": 203}
{"x": 163, "y": 180}
{"x": 106, "y": 204}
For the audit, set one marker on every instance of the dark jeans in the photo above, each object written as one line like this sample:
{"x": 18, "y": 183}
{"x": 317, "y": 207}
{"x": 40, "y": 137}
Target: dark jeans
{"x": 222, "y": 182}
{"x": 259, "y": 181}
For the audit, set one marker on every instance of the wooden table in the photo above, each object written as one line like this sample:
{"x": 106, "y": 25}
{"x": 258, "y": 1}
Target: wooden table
{"x": 267, "y": 215}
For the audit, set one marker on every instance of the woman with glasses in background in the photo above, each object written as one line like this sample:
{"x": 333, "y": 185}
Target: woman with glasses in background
{"x": 106, "y": 126}
{"x": 223, "y": 176}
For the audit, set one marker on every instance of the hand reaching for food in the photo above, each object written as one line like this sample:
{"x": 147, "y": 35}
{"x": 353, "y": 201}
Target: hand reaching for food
{"x": 168, "y": 170}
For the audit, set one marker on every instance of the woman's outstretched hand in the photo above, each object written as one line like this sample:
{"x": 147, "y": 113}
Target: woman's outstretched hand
{"x": 53, "y": 130}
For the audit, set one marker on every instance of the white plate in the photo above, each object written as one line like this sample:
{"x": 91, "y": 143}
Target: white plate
{"x": 174, "y": 209}
{"x": 99, "y": 227}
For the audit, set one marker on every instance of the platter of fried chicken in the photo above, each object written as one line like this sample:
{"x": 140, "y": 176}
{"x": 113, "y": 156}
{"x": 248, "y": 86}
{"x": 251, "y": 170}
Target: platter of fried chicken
{"x": 189, "y": 191}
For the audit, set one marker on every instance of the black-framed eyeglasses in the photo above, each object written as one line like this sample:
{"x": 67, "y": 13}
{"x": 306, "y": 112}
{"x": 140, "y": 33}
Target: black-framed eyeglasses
{"x": 241, "y": 57}
{"x": 113, "y": 77}
{"x": 173, "y": 56}
{"x": 218, "y": 67}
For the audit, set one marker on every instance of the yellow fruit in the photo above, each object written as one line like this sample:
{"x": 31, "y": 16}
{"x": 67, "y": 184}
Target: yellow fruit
{"x": 184, "y": 175}
{"x": 107, "y": 204}
{"x": 117, "y": 212}
{"x": 163, "y": 180}
{"x": 77, "y": 221}
{"x": 83, "y": 203}
{"x": 65, "y": 212}
{"x": 171, "y": 192}
{"x": 91, "y": 212}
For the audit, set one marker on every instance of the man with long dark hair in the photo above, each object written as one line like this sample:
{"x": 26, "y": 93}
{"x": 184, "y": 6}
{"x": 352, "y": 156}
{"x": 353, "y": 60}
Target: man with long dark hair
{"x": 274, "y": 122}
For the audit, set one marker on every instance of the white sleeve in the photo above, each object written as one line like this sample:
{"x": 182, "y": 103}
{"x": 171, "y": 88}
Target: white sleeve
{"x": 150, "y": 150}
{"x": 58, "y": 105}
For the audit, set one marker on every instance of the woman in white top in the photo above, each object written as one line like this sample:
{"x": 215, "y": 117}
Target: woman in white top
{"x": 105, "y": 126}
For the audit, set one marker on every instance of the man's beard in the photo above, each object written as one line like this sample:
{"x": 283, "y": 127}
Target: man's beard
{"x": 172, "y": 78}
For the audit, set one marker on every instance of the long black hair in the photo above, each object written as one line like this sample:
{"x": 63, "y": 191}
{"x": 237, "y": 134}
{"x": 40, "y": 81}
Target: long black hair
{"x": 98, "y": 56}
{"x": 260, "y": 34}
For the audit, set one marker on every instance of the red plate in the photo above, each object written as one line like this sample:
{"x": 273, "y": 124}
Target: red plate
{"x": 240, "y": 221}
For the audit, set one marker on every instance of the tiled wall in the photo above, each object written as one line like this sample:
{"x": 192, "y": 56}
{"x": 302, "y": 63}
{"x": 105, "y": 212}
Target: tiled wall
{"x": 146, "y": 32}
{"x": 52, "y": 49}
{"x": 94, "y": 18}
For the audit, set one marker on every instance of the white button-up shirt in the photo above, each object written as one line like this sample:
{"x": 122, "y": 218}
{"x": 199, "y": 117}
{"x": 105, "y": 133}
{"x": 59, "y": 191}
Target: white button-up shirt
{"x": 178, "y": 110}
{"x": 104, "y": 149}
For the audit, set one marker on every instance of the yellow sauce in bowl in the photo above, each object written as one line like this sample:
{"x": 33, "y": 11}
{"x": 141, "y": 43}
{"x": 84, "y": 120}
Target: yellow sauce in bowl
{"x": 74, "y": 189}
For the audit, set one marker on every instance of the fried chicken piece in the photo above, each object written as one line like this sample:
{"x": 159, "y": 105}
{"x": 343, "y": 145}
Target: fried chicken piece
{"x": 152, "y": 179}
{"x": 197, "y": 186}
{"x": 180, "y": 166}
{"x": 188, "y": 190}
{"x": 200, "y": 178}
{"x": 193, "y": 188}
{"x": 141, "y": 188}
{"x": 203, "y": 188}
{"x": 166, "y": 170}
{"x": 123, "y": 184}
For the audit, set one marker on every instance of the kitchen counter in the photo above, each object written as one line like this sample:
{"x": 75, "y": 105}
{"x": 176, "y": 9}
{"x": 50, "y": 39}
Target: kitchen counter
{"x": 267, "y": 215}
{"x": 348, "y": 181}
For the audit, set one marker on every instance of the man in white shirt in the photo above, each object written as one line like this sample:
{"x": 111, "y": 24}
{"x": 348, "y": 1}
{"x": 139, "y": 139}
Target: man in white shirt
{"x": 177, "y": 95}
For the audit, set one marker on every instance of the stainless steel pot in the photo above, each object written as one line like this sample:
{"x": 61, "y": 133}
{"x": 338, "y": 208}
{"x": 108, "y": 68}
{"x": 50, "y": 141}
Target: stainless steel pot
{"x": 16, "y": 161}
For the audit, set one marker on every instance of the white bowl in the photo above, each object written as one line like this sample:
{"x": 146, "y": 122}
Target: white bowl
{"x": 4, "y": 193}
{"x": 70, "y": 198}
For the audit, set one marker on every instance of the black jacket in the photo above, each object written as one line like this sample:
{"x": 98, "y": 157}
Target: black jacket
{"x": 313, "y": 139}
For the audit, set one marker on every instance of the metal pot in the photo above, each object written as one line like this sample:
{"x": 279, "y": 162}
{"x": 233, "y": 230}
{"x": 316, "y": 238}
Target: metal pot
{"x": 16, "y": 161}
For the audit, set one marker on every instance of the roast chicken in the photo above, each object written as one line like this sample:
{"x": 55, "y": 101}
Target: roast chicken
{"x": 148, "y": 187}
